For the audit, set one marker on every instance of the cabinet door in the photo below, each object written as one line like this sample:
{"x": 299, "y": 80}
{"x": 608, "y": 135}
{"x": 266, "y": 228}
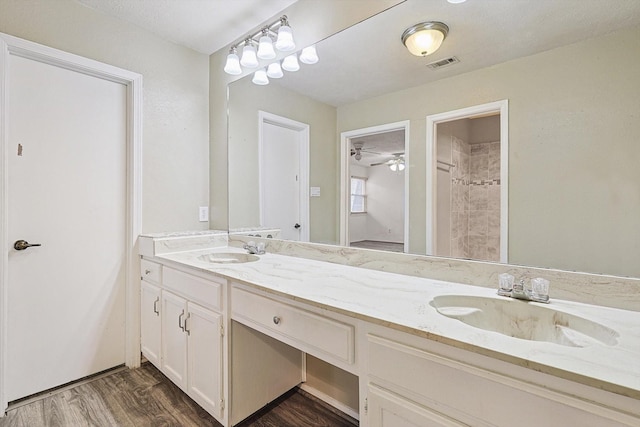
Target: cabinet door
{"x": 150, "y": 325}
{"x": 204, "y": 366}
{"x": 390, "y": 410}
{"x": 174, "y": 339}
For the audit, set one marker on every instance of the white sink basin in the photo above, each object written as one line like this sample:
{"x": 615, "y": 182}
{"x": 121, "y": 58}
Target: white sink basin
{"x": 228, "y": 258}
{"x": 524, "y": 320}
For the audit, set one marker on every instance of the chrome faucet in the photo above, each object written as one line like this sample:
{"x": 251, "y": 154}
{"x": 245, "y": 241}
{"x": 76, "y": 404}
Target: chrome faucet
{"x": 253, "y": 248}
{"x": 538, "y": 291}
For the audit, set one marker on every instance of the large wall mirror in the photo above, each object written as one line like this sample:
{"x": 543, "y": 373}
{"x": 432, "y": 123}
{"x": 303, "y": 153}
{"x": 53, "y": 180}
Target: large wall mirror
{"x": 570, "y": 71}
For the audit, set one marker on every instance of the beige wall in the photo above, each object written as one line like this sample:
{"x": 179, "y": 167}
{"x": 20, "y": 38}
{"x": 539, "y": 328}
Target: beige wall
{"x": 175, "y": 109}
{"x": 245, "y": 100}
{"x": 574, "y": 150}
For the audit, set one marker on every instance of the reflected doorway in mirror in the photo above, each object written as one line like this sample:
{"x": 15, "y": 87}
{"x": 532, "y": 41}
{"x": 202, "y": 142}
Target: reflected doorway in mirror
{"x": 467, "y": 172}
{"x": 376, "y": 155}
{"x": 284, "y": 175}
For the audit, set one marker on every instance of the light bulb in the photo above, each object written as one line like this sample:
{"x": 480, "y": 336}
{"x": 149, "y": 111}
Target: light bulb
{"x": 232, "y": 65}
{"x": 284, "y": 42}
{"x": 393, "y": 167}
{"x": 260, "y": 77}
{"x": 309, "y": 55}
{"x": 290, "y": 63}
{"x": 274, "y": 71}
{"x": 249, "y": 58}
{"x": 265, "y": 48}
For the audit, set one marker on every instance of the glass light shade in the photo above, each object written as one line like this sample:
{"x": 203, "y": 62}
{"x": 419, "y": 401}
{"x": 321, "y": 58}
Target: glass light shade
{"x": 425, "y": 38}
{"x": 232, "y": 65}
{"x": 274, "y": 71}
{"x": 309, "y": 55}
{"x": 260, "y": 77}
{"x": 396, "y": 165}
{"x": 265, "y": 48}
{"x": 290, "y": 63}
{"x": 456, "y": 1}
{"x": 284, "y": 42}
{"x": 249, "y": 58}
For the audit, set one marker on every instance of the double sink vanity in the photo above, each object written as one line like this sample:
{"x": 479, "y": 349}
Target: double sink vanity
{"x": 232, "y": 329}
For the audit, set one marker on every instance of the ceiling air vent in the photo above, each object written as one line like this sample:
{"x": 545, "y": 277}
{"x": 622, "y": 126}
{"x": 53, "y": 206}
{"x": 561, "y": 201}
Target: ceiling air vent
{"x": 443, "y": 63}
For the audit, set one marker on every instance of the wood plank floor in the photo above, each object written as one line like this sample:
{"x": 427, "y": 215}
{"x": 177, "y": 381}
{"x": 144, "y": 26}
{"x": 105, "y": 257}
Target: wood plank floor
{"x": 145, "y": 397}
{"x": 379, "y": 246}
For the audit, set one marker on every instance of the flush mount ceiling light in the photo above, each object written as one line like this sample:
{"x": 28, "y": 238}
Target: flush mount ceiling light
{"x": 424, "y": 38}
{"x": 280, "y": 30}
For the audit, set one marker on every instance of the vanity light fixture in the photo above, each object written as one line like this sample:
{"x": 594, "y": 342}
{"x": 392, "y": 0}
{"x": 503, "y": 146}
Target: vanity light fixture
{"x": 290, "y": 63}
{"x": 280, "y": 30}
{"x": 424, "y": 38}
{"x": 265, "y": 47}
{"x": 233, "y": 63}
{"x": 274, "y": 71}
{"x": 456, "y": 1}
{"x": 249, "y": 57}
{"x": 309, "y": 55}
{"x": 284, "y": 42}
{"x": 260, "y": 77}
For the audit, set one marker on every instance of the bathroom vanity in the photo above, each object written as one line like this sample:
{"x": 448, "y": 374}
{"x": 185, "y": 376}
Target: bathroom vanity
{"x": 232, "y": 331}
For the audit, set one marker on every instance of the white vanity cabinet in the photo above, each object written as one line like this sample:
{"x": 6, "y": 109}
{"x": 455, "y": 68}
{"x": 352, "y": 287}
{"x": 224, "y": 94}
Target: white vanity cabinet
{"x": 192, "y": 350}
{"x": 417, "y": 382}
{"x": 150, "y": 324}
{"x": 181, "y": 321}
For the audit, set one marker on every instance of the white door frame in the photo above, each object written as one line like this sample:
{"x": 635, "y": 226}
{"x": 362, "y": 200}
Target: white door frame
{"x": 501, "y": 107}
{"x": 303, "y": 133}
{"x": 10, "y": 45}
{"x": 345, "y": 178}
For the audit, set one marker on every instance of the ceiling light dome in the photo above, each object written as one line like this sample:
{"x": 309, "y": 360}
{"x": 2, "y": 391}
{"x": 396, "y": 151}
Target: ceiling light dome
{"x": 425, "y": 38}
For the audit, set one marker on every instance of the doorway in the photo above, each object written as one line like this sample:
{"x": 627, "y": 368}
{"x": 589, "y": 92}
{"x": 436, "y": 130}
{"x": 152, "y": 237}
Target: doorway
{"x": 467, "y": 183}
{"x": 374, "y": 202}
{"x": 70, "y": 141}
{"x": 284, "y": 176}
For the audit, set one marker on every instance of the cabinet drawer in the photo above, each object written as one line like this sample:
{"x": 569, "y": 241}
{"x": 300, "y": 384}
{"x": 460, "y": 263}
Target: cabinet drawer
{"x": 151, "y": 271}
{"x": 310, "y": 332}
{"x": 206, "y": 292}
{"x": 474, "y": 396}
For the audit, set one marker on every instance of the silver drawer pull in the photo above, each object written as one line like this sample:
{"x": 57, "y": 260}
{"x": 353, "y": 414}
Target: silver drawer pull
{"x": 276, "y": 320}
{"x": 155, "y": 306}
{"x": 180, "y": 321}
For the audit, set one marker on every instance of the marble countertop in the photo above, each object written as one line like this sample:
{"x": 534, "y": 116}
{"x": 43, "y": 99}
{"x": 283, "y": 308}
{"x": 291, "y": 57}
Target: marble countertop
{"x": 402, "y": 302}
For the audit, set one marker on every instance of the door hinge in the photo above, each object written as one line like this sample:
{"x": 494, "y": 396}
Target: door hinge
{"x": 222, "y": 404}
{"x": 221, "y": 330}
{"x": 366, "y": 405}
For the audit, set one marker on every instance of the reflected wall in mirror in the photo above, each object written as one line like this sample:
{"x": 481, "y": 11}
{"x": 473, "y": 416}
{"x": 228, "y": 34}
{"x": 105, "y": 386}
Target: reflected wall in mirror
{"x": 574, "y": 133}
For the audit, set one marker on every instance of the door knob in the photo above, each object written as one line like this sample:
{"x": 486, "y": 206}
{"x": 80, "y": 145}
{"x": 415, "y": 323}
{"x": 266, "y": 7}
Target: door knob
{"x": 21, "y": 245}
{"x": 296, "y": 226}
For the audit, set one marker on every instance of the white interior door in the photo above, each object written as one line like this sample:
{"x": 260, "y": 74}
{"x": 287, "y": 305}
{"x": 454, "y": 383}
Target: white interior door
{"x": 284, "y": 203}
{"x": 66, "y": 191}
{"x": 281, "y": 167}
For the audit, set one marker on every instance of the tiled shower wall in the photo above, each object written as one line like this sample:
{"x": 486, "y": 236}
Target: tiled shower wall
{"x": 475, "y": 200}
{"x": 460, "y": 153}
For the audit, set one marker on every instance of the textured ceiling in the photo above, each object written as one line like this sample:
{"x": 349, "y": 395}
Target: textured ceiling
{"x": 482, "y": 33}
{"x": 203, "y": 25}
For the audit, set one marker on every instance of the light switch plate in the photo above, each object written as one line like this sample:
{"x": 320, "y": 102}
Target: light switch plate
{"x": 203, "y": 213}
{"x": 315, "y": 192}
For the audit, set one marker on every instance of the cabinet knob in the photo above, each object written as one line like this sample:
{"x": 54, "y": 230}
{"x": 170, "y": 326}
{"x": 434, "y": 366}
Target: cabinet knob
{"x": 147, "y": 272}
{"x": 276, "y": 320}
